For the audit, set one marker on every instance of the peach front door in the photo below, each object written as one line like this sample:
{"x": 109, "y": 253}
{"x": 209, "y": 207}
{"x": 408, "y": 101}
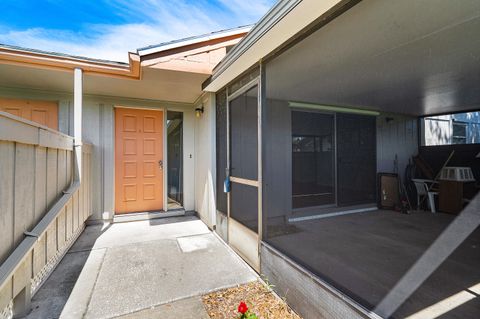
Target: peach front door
{"x": 138, "y": 160}
{"x": 42, "y": 112}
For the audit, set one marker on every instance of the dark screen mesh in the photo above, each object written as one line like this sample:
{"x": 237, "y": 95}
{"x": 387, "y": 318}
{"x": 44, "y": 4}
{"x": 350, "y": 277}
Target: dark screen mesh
{"x": 244, "y": 205}
{"x": 244, "y": 135}
{"x": 244, "y": 157}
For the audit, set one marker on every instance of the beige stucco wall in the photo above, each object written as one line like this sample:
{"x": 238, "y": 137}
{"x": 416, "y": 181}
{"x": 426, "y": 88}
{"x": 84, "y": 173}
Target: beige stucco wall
{"x": 98, "y": 130}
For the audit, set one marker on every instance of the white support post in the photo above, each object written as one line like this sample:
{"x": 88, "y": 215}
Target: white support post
{"x": 77, "y": 119}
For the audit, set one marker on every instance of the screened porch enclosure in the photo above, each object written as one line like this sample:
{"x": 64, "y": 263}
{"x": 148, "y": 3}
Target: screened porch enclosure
{"x": 339, "y": 105}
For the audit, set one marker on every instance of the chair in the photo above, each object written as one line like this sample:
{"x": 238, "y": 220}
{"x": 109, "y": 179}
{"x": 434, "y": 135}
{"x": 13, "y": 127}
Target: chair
{"x": 422, "y": 191}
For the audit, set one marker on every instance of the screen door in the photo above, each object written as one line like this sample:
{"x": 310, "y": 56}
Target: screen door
{"x": 243, "y": 169}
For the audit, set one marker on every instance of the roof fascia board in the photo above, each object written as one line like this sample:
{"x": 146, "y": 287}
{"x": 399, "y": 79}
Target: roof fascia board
{"x": 146, "y": 51}
{"x": 42, "y": 60}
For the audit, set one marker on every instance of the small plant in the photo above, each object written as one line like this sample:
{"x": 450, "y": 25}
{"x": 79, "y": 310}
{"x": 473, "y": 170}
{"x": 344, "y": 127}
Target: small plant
{"x": 244, "y": 312}
{"x": 269, "y": 285}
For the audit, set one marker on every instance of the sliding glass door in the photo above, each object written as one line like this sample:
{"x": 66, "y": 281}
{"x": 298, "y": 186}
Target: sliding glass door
{"x": 333, "y": 159}
{"x": 313, "y": 159}
{"x": 356, "y": 159}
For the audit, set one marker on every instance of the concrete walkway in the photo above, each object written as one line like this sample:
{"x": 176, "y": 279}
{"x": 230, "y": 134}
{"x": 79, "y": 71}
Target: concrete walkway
{"x": 146, "y": 269}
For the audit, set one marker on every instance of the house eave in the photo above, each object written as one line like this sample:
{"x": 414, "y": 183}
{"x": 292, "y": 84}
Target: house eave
{"x": 193, "y": 40}
{"x": 62, "y": 62}
{"x": 281, "y": 23}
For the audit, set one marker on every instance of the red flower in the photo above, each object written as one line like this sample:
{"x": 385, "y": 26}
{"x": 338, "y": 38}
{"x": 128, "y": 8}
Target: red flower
{"x": 242, "y": 307}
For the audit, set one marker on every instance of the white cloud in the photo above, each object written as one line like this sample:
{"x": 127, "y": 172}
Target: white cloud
{"x": 164, "y": 21}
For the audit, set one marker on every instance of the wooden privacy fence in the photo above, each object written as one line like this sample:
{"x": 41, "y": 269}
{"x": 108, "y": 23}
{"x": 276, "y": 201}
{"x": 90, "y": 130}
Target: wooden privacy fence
{"x": 43, "y": 206}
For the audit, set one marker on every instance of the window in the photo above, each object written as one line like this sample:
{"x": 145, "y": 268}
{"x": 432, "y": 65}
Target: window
{"x": 461, "y": 128}
{"x": 459, "y": 135}
{"x": 175, "y": 159}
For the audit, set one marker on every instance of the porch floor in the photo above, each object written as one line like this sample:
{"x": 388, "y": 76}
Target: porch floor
{"x": 140, "y": 270}
{"x": 366, "y": 254}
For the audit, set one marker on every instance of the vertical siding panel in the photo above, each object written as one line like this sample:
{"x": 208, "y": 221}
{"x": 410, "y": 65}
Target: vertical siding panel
{"x": 88, "y": 186}
{"x": 61, "y": 228}
{"x": 51, "y": 241}
{"x": 93, "y": 132}
{"x": 24, "y": 188}
{"x": 39, "y": 255}
{"x": 22, "y": 275}
{"x": 40, "y": 183}
{"x": 7, "y": 160}
{"x": 81, "y": 213}
{"x": 75, "y": 211}
{"x": 69, "y": 167}
{"x": 6, "y": 294}
{"x": 395, "y": 137}
{"x": 69, "y": 217}
{"x": 52, "y": 170}
{"x": 90, "y": 183}
{"x": 82, "y": 190}
{"x": 62, "y": 171}
{"x": 52, "y": 176}
{"x": 79, "y": 206}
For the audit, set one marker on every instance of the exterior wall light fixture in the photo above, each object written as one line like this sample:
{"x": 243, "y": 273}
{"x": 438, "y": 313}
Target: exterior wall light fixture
{"x": 199, "y": 111}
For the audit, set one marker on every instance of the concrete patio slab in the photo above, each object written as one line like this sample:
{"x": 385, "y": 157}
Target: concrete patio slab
{"x": 79, "y": 299}
{"x": 191, "y": 308}
{"x": 140, "y": 269}
{"x": 137, "y": 276}
{"x": 49, "y": 301}
{"x": 112, "y": 235}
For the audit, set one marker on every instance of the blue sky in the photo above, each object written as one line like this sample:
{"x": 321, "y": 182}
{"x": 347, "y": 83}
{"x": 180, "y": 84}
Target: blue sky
{"x": 108, "y": 29}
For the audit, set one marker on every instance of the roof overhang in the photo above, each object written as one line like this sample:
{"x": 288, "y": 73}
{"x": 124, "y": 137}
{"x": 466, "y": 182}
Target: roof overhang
{"x": 61, "y": 62}
{"x": 411, "y": 57}
{"x": 172, "y": 72}
{"x": 193, "y": 40}
{"x": 155, "y": 84}
{"x": 279, "y": 26}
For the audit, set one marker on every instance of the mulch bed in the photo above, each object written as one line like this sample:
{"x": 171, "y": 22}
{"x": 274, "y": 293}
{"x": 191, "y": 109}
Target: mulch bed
{"x": 260, "y": 300}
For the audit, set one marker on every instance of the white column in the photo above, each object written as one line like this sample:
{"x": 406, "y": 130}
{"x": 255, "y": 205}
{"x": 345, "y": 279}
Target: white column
{"x": 77, "y": 119}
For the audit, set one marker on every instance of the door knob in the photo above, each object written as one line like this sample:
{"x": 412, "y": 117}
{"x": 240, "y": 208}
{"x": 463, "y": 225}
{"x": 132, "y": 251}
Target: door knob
{"x": 160, "y": 164}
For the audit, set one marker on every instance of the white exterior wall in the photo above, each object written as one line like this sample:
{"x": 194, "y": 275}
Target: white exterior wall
{"x": 205, "y": 168}
{"x": 99, "y": 130}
